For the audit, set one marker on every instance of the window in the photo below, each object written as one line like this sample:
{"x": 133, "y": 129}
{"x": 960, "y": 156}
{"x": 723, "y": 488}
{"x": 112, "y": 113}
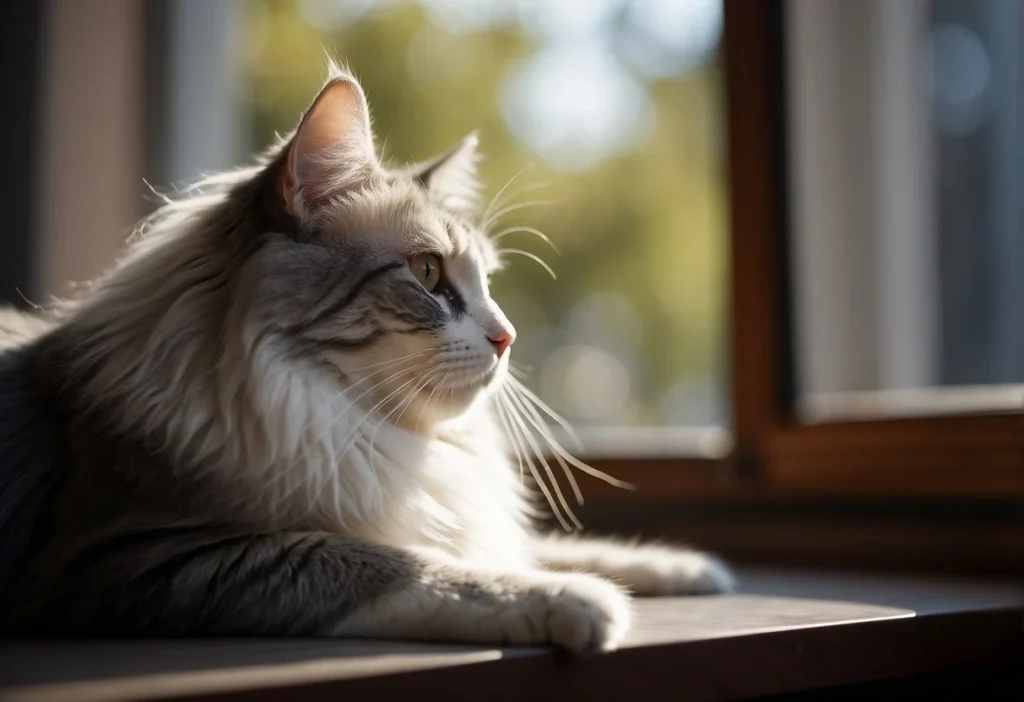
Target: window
{"x": 904, "y": 240}
{"x": 788, "y": 292}
{"x": 908, "y": 231}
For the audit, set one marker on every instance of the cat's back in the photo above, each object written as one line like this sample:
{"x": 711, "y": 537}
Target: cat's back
{"x": 18, "y": 328}
{"x": 29, "y": 448}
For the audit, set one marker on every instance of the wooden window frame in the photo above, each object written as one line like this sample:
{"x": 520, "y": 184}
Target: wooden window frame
{"x": 956, "y": 456}
{"x": 779, "y": 464}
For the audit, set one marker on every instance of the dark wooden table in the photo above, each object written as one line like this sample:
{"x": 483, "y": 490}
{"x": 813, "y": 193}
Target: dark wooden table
{"x": 786, "y": 632}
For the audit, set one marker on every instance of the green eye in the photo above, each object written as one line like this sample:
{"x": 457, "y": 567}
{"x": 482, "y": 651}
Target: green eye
{"x": 427, "y": 269}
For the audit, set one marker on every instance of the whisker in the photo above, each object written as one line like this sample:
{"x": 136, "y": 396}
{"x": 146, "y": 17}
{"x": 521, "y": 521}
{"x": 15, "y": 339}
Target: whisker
{"x": 509, "y": 209}
{"x": 378, "y": 384}
{"x": 520, "y": 370}
{"x": 547, "y": 467}
{"x": 526, "y": 230}
{"x": 514, "y": 445}
{"x": 404, "y": 404}
{"x": 366, "y": 392}
{"x": 533, "y": 256}
{"x": 546, "y": 409}
{"x": 498, "y": 203}
{"x": 388, "y": 397}
{"x": 430, "y": 397}
{"x": 353, "y": 434}
{"x": 386, "y": 366}
{"x": 536, "y": 476}
{"x": 531, "y": 415}
{"x": 394, "y": 360}
{"x": 589, "y": 470}
{"x": 493, "y": 203}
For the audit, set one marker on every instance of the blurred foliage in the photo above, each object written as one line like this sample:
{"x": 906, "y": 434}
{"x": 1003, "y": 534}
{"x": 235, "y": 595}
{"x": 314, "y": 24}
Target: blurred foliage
{"x": 647, "y": 224}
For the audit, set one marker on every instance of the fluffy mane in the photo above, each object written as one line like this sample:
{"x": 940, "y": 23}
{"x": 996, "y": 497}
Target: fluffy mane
{"x": 166, "y": 345}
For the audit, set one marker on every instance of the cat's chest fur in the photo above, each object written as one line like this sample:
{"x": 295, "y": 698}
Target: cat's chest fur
{"x": 464, "y": 502}
{"x": 280, "y": 447}
{"x": 453, "y": 490}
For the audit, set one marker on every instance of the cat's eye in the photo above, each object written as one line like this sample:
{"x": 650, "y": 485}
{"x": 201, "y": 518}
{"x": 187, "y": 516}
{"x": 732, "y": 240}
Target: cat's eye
{"x": 427, "y": 269}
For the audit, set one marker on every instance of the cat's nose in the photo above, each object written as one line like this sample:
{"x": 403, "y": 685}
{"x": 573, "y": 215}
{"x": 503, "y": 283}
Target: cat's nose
{"x": 502, "y": 340}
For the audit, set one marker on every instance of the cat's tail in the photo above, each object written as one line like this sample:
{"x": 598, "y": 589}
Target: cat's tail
{"x": 29, "y": 469}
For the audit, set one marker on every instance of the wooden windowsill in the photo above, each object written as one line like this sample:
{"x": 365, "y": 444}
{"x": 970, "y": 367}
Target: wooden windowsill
{"x": 786, "y": 632}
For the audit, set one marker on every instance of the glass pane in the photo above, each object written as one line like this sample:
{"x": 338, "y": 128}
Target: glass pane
{"x": 604, "y": 121}
{"x": 908, "y": 146}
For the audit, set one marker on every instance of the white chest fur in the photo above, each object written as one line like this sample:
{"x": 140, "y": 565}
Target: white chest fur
{"x": 340, "y": 470}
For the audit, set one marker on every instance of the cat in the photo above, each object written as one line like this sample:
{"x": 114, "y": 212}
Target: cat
{"x": 279, "y": 414}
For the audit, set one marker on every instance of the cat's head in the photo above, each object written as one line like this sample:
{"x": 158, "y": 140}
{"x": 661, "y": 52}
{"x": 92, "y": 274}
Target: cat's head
{"x": 382, "y": 280}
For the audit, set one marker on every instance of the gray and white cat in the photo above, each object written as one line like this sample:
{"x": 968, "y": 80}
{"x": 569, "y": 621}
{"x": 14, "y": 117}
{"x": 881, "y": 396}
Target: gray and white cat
{"x": 277, "y": 415}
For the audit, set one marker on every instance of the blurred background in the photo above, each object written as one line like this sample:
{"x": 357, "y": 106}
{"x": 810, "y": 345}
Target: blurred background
{"x": 905, "y": 148}
{"x": 606, "y": 114}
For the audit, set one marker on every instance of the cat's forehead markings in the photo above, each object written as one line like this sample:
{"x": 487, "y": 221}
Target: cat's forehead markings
{"x": 398, "y": 224}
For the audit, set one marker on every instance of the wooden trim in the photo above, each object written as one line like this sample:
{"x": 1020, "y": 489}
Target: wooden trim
{"x": 956, "y": 456}
{"x": 755, "y": 124}
{"x": 959, "y": 536}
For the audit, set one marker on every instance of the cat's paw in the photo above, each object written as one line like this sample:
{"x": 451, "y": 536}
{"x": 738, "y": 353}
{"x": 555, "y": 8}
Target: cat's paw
{"x": 580, "y": 613}
{"x": 447, "y": 602}
{"x": 655, "y": 571}
{"x": 588, "y": 614}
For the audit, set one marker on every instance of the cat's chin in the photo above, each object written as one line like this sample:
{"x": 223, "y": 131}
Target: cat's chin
{"x": 439, "y": 404}
{"x": 472, "y": 389}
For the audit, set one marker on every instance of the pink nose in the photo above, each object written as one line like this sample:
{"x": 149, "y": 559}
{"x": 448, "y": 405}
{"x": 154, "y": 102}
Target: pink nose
{"x": 502, "y": 340}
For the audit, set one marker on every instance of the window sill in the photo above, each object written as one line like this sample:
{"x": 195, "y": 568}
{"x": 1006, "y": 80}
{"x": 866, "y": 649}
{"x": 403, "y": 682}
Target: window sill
{"x": 787, "y": 632}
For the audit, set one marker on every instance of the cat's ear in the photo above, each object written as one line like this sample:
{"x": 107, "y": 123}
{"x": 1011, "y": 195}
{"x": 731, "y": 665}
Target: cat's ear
{"x": 333, "y": 141}
{"x": 451, "y": 178}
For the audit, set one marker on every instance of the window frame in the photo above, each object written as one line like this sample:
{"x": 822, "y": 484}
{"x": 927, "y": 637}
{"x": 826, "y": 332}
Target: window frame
{"x": 779, "y": 464}
{"x": 956, "y": 455}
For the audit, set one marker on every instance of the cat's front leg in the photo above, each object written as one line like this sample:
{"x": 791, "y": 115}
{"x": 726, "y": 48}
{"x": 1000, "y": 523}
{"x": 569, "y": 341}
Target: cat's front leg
{"x": 646, "y": 570}
{"x": 455, "y": 601}
{"x": 199, "y": 581}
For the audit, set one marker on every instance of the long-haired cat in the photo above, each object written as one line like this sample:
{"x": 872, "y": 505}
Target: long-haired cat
{"x": 277, "y": 415}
